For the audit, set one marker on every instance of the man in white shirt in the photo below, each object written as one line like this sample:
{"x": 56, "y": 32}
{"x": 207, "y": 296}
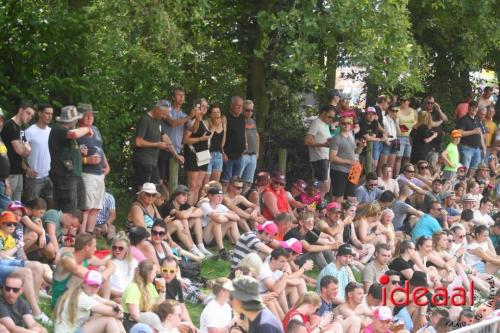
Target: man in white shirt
{"x": 37, "y": 182}
{"x": 319, "y": 152}
{"x": 482, "y": 215}
{"x": 218, "y": 221}
{"x": 389, "y": 147}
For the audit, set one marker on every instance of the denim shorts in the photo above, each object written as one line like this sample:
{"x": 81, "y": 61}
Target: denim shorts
{"x": 389, "y": 149}
{"x": 377, "y": 149}
{"x": 232, "y": 168}
{"x": 404, "y": 147}
{"x": 471, "y": 157}
{"x": 248, "y": 166}
{"x": 215, "y": 162}
{"x": 7, "y": 266}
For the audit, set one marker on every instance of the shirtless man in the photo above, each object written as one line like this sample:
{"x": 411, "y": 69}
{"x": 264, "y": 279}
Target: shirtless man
{"x": 354, "y": 295}
{"x": 233, "y": 199}
{"x": 73, "y": 265}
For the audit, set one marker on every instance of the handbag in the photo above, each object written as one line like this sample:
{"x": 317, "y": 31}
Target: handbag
{"x": 203, "y": 157}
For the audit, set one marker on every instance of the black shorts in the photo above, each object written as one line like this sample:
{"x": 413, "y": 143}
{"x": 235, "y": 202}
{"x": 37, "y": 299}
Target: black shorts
{"x": 321, "y": 170}
{"x": 341, "y": 186}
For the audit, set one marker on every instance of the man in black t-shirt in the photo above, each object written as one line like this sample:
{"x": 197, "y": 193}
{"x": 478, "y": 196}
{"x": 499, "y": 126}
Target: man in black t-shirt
{"x": 15, "y": 312}
{"x": 472, "y": 142}
{"x": 438, "y": 118}
{"x": 17, "y": 146}
{"x": 235, "y": 141}
{"x": 316, "y": 245}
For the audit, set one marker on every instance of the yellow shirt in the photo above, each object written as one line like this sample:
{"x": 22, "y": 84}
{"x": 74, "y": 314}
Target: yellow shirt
{"x": 6, "y": 242}
{"x": 490, "y": 136}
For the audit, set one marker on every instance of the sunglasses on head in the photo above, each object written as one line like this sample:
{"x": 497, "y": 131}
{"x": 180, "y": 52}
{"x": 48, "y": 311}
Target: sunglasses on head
{"x": 167, "y": 270}
{"x": 9, "y": 289}
{"x": 157, "y": 233}
{"x": 117, "y": 248}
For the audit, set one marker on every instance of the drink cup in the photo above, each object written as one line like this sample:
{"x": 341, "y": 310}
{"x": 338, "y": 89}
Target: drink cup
{"x": 160, "y": 284}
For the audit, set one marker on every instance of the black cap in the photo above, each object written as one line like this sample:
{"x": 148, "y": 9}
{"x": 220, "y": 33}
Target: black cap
{"x": 419, "y": 279}
{"x": 214, "y": 191}
{"x": 345, "y": 250}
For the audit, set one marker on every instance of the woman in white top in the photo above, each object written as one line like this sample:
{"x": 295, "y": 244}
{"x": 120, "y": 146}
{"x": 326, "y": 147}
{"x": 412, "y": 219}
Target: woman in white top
{"x": 81, "y": 310}
{"x": 125, "y": 265}
{"x": 480, "y": 253}
{"x": 217, "y": 314}
{"x": 387, "y": 182}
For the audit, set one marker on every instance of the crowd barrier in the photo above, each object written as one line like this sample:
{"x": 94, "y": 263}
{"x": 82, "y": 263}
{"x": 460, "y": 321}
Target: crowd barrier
{"x": 487, "y": 326}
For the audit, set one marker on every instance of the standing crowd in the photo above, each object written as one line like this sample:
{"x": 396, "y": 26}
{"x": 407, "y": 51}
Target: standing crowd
{"x": 396, "y": 204}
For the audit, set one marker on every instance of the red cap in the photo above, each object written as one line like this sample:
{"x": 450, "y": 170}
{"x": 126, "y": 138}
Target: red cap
{"x": 15, "y": 205}
{"x": 292, "y": 244}
{"x": 269, "y": 227}
{"x": 334, "y": 205}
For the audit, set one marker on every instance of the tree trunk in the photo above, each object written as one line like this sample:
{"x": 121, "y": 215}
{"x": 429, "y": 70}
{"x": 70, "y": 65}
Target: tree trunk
{"x": 331, "y": 68}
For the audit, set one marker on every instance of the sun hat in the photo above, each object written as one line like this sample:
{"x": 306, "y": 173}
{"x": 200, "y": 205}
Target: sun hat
{"x": 69, "y": 114}
{"x": 152, "y": 320}
{"x": 244, "y": 289}
{"x": 469, "y": 197}
{"x": 292, "y": 244}
{"x": 8, "y": 217}
{"x": 93, "y": 278}
{"x": 148, "y": 188}
{"x": 382, "y": 313}
{"x": 15, "y": 205}
{"x": 269, "y": 227}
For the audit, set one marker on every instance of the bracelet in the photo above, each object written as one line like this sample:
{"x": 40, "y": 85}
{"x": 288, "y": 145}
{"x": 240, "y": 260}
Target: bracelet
{"x": 85, "y": 160}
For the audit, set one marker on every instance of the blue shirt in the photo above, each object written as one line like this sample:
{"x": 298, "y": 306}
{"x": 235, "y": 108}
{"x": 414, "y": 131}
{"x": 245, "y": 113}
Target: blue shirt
{"x": 342, "y": 275}
{"x": 426, "y": 226}
{"x": 175, "y": 133}
{"x": 404, "y": 316}
{"x": 109, "y": 203}
{"x": 364, "y": 195}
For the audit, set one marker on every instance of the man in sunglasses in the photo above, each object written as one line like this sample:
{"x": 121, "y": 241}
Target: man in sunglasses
{"x": 368, "y": 192}
{"x": 317, "y": 141}
{"x": 438, "y": 118}
{"x": 237, "y": 203}
{"x": 275, "y": 197}
{"x": 15, "y": 312}
{"x": 428, "y": 224}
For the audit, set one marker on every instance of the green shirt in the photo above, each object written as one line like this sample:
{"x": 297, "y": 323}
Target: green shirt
{"x": 53, "y": 216}
{"x": 453, "y": 157}
{"x": 132, "y": 295}
{"x": 65, "y": 157}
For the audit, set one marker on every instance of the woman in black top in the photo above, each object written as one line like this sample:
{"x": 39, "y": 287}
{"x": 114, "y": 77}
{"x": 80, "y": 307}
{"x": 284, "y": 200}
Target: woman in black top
{"x": 421, "y": 136}
{"x": 195, "y": 141}
{"x": 403, "y": 260}
{"x": 216, "y": 125}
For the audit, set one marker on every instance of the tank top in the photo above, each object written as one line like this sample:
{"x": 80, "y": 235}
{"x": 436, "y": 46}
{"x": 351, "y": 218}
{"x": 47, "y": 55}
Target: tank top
{"x": 407, "y": 120}
{"x": 281, "y": 202}
{"x": 148, "y": 219}
{"x": 293, "y": 313}
{"x": 216, "y": 141}
{"x": 59, "y": 286}
{"x": 198, "y": 146}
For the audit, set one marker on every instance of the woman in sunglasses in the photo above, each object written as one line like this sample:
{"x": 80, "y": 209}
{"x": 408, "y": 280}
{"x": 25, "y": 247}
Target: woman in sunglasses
{"x": 141, "y": 295}
{"x": 81, "y": 310}
{"x": 124, "y": 263}
{"x": 143, "y": 212}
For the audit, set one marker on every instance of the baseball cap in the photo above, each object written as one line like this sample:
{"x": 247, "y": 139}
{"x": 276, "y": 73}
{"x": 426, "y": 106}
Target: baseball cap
{"x": 382, "y": 313}
{"x": 371, "y": 109}
{"x": 456, "y": 134}
{"x": 278, "y": 177}
{"x": 469, "y": 197}
{"x": 269, "y": 227}
{"x": 180, "y": 189}
{"x": 93, "y": 278}
{"x": 292, "y": 244}
{"x": 335, "y": 206}
{"x": 8, "y": 217}
{"x": 345, "y": 250}
{"x": 300, "y": 184}
{"x": 163, "y": 103}
{"x": 214, "y": 191}
{"x": 15, "y": 205}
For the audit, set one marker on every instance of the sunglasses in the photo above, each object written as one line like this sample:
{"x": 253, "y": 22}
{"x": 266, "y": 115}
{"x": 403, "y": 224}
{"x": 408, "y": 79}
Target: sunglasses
{"x": 10, "y": 224}
{"x": 118, "y": 248}
{"x": 248, "y": 110}
{"x": 277, "y": 183}
{"x": 395, "y": 282}
{"x": 166, "y": 270}
{"x": 150, "y": 195}
{"x": 410, "y": 171}
{"x": 238, "y": 187}
{"x": 460, "y": 236}
{"x": 9, "y": 289}
{"x": 373, "y": 185}
{"x": 158, "y": 233}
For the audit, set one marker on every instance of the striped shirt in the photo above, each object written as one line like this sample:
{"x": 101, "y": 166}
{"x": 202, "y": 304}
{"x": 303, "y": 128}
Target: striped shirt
{"x": 109, "y": 203}
{"x": 245, "y": 245}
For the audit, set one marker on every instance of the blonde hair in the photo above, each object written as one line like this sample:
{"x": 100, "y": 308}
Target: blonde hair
{"x": 207, "y": 186}
{"x": 309, "y": 297}
{"x": 436, "y": 237}
{"x": 423, "y": 118}
{"x": 372, "y": 209}
{"x": 69, "y": 300}
{"x": 141, "y": 279}
{"x": 121, "y": 236}
{"x": 218, "y": 285}
{"x": 252, "y": 261}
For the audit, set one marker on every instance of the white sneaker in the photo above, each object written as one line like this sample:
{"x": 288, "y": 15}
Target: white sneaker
{"x": 203, "y": 250}
{"x": 42, "y": 318}
{"x": 197, "y": 252}
{"x": 44, "y": 294}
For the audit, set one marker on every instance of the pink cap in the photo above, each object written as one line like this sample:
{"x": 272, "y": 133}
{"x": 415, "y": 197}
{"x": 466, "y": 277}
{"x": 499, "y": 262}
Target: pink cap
{"x": 292, "y": 244}
{"x": 15, "y": 205}
{"x": 93, "y": 278}
{"x": 382, "y": 313}
{"x": 371, "y": 109}
{"x": 269, "y": 227}
{"x": 333, "y": 206}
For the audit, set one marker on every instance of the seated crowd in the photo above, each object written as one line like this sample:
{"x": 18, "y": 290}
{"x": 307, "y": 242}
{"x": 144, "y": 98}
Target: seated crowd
{"x": 341, "y": 253}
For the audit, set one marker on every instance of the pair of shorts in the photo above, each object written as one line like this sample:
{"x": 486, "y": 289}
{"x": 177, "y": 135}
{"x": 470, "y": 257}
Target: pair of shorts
{"x": 389, "y": 149}
{"x": 8, "y": 266}
{"x": 404, "y": 147}
{"x": 321, "y": 170}
{"x": 248, "y": 166}
{"x": 471, "y": 157}
{"x": 376, "y": 150}
{"x": 94, "y": 191}
{"x": 216, "y": 162}
{"x": 480, "y": 267}
{"x": 232, "y": 168}
{"x": 341, "y": 186}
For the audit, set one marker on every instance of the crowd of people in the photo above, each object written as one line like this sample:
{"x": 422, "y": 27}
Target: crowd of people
{"x": 395, "y": 204}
